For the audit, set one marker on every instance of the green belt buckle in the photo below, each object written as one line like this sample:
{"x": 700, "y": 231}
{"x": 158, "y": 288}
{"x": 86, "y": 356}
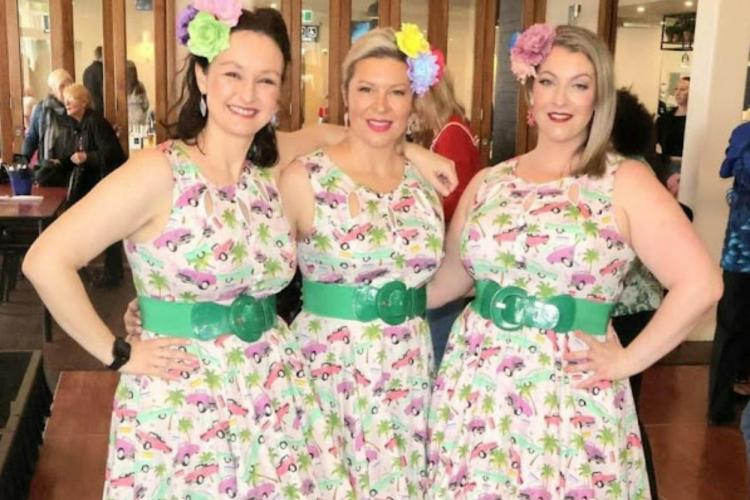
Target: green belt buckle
{"x": 393, "y": 302}
{"x": 511, "y": 308}
{"x": 246, "y": 317}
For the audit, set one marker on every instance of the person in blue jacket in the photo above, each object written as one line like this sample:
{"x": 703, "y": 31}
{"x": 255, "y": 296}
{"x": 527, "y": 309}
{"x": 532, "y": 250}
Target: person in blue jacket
{"x": 732, "y": 337}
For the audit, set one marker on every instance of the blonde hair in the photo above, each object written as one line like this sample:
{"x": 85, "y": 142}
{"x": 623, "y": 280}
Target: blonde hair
{"x": 78, "y": 92}
{"x": 435, "y": 108}
{"x": 378, "y": 43}
{"x": 58, "y": 78}
{"x": 594, "y": 150}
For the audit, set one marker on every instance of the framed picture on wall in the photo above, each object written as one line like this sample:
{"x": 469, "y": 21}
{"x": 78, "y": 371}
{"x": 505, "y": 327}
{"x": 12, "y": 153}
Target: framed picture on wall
{"x": 678, "y": 31}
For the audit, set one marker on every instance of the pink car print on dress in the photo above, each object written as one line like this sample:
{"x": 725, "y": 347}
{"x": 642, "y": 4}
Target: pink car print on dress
{"x": 535, "y": 240}
{"x": 612, "y": 238}
{"x": 562, "y": 255}
{"x": 286, "y": 464}
{"x": 394, "y": 395}
{"x": 634, "y": 441}
{"x": 582, "y": 421}
{"x": 125, "y": 449}
{"x": 346, "y": 388}
{"x": 474, "y": 235}
{"x": 585, "y": 210}
{"x": 262, "y": 406}
{"x": 537, "y": 493}
{"x": 620, "y": 399}
{"x": 594, "y": 453}
{"x": 581, "y": 278}
{"x": 341, "y": 334}
{"x": 257, "y": 351}
{"x": 357, "y": 231}
{"x": 313, "y": 450}
{"x": 128, "y": 480}
{"x": 519, "y": 193}
{"x": 325, "y": 371}
{"x": 482, "y": 450}
{"x": 152, "y": 440}
{"x": 612, "y": 267}
{"x": 554, "y": 207}
{"x": 235, "y": 408}
{"x": 600, "y": 479}
{"x": 380, "y": 384}
{"x": 583, "y": 493}
{"x": 459, "y": 479}
{"x": 201, "y": 472}
{"x": 261, "y": 207}
{"x": 477, "y": 425}
{"x": 185, "y": 451}
{"x": 227, "y": 193}
{"x": 408, "y": 358}
{"x": 508, "y": 235}
{"x": 331, "y": 199}
{"x": 124, "y": 413}
{"x": 415, "y": 406}
{"x": 404, "y": 204}
{"x": 520, "y": 406}
{"x": 201, "y": 400}
{"x": 510, "y": 364}
{"x": 275, "y": 371}
{"x": 281, "y": 412}
{"x": 599, "y": 386}
{"x": 417, "y": 264}
{"x": 555, "y": 420}
{"x": 360, "y": 379}
{"x": 228, "y": 486}
{"x": 331, "y": 278}
{"x": 190, "y": 196}
{"x": 173, "y": 239}
{"x": 368, "y": 276}
{"x": 487, "y": 353}
{"x": 219, "y": 430}
{"x": 198, "y": 278}
{"x": 312, "y": 349}
{"x": 408, "y": 234}
{"x": 543, "y": 192}
{"x": 221, "y": 252}
{"x": 265, "y": 490}
{"x": 397, "y": 333}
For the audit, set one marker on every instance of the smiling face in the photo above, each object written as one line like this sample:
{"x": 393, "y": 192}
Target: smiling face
{"x": 682, "y": 92}
{"x": 564, "y": 96}
{"x": 243, "y": 84}
{"x": 379, "y": 101}
{"x": 74, "y": 107}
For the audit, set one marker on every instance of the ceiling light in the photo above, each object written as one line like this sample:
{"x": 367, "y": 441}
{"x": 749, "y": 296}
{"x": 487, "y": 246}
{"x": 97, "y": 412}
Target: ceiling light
{"x": 641, "y": 9}
{"x": 688, "y": 4}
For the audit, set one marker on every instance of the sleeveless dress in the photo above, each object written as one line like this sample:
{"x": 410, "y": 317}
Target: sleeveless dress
{"x": 373, "y": 379}
{"x": 505, "y": 419}
{"x": 245, "y": 423}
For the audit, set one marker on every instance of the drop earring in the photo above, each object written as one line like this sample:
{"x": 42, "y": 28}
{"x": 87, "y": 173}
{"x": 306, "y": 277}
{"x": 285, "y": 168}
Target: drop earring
{"x": 202, "y": 106}
{"x": 346, "y": 119}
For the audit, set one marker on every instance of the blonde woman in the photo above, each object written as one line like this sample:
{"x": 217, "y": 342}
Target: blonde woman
{"x": 532, "y": 399}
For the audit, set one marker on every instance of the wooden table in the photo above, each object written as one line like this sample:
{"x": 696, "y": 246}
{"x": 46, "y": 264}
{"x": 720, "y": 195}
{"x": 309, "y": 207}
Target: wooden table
{"x": 33, "y": 217}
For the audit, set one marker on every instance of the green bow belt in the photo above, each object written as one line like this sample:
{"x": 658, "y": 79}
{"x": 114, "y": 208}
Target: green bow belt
{"x": 246, "y": 317}
{"x": 511, "y": 308}
{"x": 392, "y": 302}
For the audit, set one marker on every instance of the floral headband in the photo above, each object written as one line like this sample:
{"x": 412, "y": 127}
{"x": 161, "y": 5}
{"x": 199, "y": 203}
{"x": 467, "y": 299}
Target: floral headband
{"x": 529, "y": 49}
{"x": 426, "y": 66}
{"x": 204, "y": 26}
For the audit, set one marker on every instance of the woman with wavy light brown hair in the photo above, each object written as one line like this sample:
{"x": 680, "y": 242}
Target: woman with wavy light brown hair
{"x": 532, "y": 399}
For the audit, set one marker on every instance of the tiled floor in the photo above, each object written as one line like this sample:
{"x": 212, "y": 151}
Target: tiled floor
{"x": 693, "y": 461}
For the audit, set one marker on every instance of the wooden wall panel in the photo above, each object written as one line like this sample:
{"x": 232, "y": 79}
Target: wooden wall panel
{"x": 295, "y": 70}
{"x": 61, "y": 35}
{"x": 161, "y": 75}
{"x": 14, "y": 76}
{"x": 108, "y": 62}
{"x": 486, "y": 80}
{"x": 607, "y": 22}
{"x": 119, "y": 49}
{"x": 340, "y": 15}
{"x": 437, "y": 25}
{"x": 534, "y": 11}
{"x": 6, "y": 127}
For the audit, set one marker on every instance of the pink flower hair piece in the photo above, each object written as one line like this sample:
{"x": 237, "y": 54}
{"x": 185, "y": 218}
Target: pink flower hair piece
{"x": 530, "y": 49}
{"x": 226, "y": 11}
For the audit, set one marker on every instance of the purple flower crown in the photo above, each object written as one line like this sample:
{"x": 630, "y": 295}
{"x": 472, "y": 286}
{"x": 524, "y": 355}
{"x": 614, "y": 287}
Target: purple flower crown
{"x": 529, "y": 49}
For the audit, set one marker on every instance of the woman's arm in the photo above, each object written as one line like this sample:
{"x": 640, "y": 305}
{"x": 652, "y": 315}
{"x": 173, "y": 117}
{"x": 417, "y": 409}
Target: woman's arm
{"x": 306, "y": 140}
{"x": 452, "y": 280}
{"x": 298, "y": 198}
{"x": 648, "y": 217}
{"x": 439, "y": 171}
{"x": 120, "y": 206}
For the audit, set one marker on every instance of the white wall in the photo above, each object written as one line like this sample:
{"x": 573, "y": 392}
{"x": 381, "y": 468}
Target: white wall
{"x": 637, "y": 63}
{"x": 557, "y": 13}
{"x": 717, "y": 87}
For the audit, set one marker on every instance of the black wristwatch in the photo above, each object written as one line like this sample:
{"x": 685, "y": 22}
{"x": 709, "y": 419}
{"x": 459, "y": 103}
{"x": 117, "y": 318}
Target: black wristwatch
{"x": 121, "y": 353}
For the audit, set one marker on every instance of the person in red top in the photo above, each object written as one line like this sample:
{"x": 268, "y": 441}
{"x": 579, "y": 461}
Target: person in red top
{"x": 444, "y": 128}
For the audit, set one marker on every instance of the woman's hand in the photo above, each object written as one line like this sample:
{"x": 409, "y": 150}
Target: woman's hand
{"x": 132, "y": 320}
{"x": 159, "y": 357}
{"x": 439, "y": 171}
{"x": 78, "y": 157}
{"x": 602, "y": 360}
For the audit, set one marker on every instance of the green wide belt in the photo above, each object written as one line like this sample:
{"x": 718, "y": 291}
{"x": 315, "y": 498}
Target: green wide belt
{"x": 391, "y": 302}
{"x": 511, "y": 308}
{"x": 246, "y": 317}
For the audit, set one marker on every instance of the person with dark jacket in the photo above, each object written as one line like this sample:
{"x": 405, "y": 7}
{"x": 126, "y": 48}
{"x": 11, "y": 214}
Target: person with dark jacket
{"x": 48, "y": 119}
{"x": 93, "y": 154}
{"x": 93, "y": 80}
